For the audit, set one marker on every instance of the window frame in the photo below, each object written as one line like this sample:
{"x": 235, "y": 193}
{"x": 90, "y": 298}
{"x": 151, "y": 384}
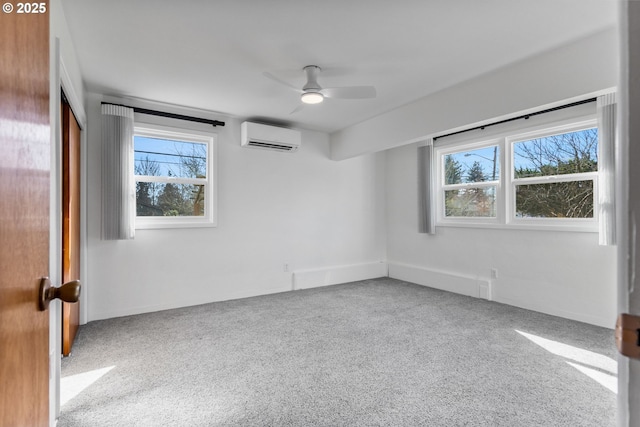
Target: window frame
{"x": 507, "y": 183}
{"x": 209, "y": 219}
{"x": 441, "y": 153}
{"x": 578, "y": 224}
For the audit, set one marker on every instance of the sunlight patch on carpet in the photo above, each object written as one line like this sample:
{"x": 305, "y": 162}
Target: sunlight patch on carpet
{"x": 596, "y": 366}
{"x": 73, "y": 385}
{"x": 609, "y": 381}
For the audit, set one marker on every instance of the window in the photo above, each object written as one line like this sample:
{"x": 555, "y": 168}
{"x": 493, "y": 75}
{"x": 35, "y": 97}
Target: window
{"x": 545, "y": 178}
{"x": 173, "y": 171}
{"x": 554, "y": 175}
{"x": 471, "y": 178}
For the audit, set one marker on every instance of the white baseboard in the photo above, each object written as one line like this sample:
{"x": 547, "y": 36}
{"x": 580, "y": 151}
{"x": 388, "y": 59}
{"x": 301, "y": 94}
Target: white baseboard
{"x": 596, "y": 320}
{"x": 313, "y": 278}
{"x": 282, "y": 285}
{"x": 478, "y": 287}
{"x": 283, "y": 282}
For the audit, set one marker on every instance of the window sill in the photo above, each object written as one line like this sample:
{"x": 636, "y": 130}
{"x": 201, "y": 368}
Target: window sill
{"x": 151, "y": 223}
{"x": 524, "y": 225}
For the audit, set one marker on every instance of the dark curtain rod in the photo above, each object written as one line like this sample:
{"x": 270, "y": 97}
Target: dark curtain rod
{"x": 213, "y": 123}
{"x": 525, "y": 116}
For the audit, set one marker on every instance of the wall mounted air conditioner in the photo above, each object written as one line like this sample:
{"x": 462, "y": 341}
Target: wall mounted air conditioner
{"x": 256, "y": 135}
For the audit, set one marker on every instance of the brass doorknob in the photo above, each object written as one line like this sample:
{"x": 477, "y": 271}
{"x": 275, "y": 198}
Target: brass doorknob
{"x": 69, "y": 292}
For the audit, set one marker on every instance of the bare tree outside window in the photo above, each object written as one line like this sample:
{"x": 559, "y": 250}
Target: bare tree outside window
{"x": 174, "y": 161}
{"x": 147, "y": 192}
{"x": 556, "y": 156}
{"x": 193, "y": 163}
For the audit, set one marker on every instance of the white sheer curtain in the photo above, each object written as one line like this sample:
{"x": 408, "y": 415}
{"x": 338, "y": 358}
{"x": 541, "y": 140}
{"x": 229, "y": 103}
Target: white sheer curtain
{"x": 606, "y": 111}
{"x": 426, "y": 217}
{"x": 118, "y": 187}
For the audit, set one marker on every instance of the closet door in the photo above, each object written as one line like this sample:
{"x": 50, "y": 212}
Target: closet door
{"x": 70, "y": 220}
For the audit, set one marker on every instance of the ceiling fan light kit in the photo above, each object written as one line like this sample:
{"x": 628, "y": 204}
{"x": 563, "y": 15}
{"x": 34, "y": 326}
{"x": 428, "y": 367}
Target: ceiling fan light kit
{"x": 312, "y": 97}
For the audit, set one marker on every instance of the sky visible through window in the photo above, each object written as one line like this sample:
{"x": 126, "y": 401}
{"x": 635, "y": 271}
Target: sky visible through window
{"x": 170, "y": 157}
{"x": 488, "y": 158}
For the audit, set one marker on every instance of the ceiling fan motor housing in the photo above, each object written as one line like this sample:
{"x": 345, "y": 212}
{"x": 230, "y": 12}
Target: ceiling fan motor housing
{"x": 312, "y": 84}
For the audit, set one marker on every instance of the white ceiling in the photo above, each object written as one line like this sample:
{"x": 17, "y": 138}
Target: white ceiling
{"x": 212, "y": 54}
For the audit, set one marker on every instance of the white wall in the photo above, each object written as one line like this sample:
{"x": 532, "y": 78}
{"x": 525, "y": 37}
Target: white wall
{"x": 589, "y": 65}
{"x": 60, "y": 31}
{"x": 301, "y": 209}
{"x": 561, "y": 273}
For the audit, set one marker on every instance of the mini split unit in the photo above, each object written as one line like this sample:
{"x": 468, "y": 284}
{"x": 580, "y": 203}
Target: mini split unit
{"x": 266, "y": 137}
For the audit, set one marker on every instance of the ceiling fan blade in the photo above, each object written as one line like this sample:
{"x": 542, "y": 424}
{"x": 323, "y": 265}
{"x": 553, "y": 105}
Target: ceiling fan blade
{"x": 282, "y": 82}
{"x": 298, "y": 108}
{"x": 350, "y": 92}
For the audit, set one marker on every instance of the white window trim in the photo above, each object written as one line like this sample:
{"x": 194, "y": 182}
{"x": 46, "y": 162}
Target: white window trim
{"x": 506, "y": 184}
{"x": 209, "y": 219}
{"x": 441, "y": 219}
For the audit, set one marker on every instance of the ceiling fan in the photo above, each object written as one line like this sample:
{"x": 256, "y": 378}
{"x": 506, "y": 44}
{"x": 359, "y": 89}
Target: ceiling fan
{"x": 313, "y": 93}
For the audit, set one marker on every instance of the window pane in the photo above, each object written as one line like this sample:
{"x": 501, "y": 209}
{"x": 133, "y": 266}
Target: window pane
{"x": 572, "y": 152}
{"x": 160, "y": 199}
{"x": 162, "y": 157}
{"x": 472, "y": 166}
{"x": 471, "y": 202}
{"x": 555, "y": 200}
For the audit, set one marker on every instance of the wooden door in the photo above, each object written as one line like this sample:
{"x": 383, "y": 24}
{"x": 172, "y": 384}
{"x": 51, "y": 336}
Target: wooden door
{"x": 24, "y": 217}
{"x": 70, "y": 220}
